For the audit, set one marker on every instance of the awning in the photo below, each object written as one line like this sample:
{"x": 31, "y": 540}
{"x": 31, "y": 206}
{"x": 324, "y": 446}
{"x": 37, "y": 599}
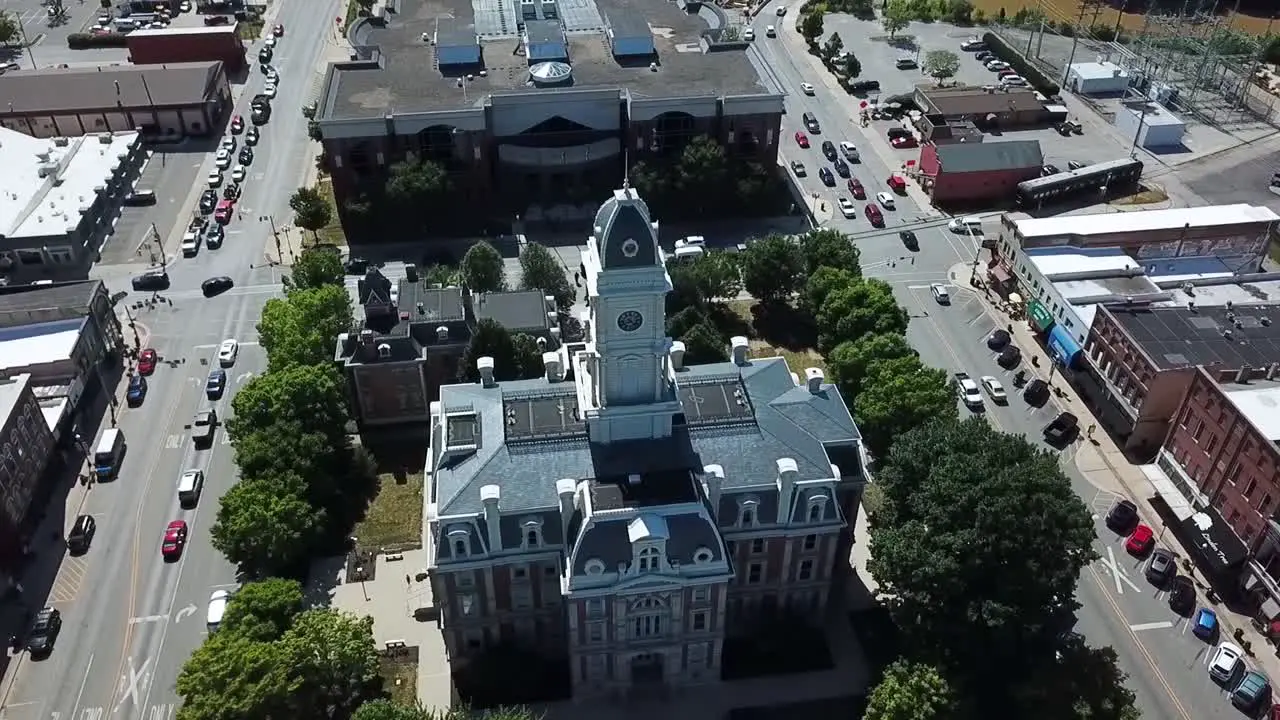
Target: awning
{"x": 1168, "y": 491}
{"x": 1215, "y": 540}
{"x": 999, "y": 273}
{"x": 1063, "y": 347}
{"x": 1040, "y": 316}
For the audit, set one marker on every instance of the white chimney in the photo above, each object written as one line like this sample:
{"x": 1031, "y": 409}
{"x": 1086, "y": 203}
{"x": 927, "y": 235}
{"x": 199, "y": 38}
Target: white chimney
{"x": 787, "y": 472}
{"x": 738, "y": 347}
{"x": 712, "y": 481}
{"x": 814, "y": 377}
{"x": 491, "y": 495}
{"x": 366, "y": 337}
{"x": 565, "y": 489}
{"x": 442, "y": 334}
{"x": 550, "y": 300}
{"x": 677, "y": 355}
{"x": 485, "y": 366}
{"x": 551, "y": 363}
{"x": 633, "y": 479}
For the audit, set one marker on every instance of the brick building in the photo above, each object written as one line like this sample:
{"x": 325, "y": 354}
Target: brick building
{"x": 629, "y": 512}
{"x": 26, "y": 446}
{"x": 959, "y": 174}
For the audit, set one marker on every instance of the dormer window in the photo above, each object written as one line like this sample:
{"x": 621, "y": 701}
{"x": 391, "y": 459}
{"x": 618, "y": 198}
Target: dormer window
{"x": 531, "y": 534}
{"x": 460, "y": 542}
{"x": 817, "y": 508}
{"x": 649, "y": 559}
{"x": 747, "y": 512}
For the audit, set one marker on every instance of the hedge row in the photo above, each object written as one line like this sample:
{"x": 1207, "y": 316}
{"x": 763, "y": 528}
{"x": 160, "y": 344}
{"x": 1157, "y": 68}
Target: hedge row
{"x": 83, "y": 41}
{"x": 1021, "y": 64}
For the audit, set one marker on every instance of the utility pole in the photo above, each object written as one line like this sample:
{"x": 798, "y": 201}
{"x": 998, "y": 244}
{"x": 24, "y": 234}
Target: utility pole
{"x": 156, "y": 248}
{"x": 274, "y": 234}
{"x": 133, "y": 325}
{"x": 22, "y": 31}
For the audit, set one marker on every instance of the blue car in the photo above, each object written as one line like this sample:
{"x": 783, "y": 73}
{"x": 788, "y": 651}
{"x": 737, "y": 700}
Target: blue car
{"x": 137, "y": 391}
{"x": 1205, "y": 624}
{"x": 216, "y": 384}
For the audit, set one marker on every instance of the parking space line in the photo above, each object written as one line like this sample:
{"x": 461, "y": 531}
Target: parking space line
{"x": 1162, "y": 625}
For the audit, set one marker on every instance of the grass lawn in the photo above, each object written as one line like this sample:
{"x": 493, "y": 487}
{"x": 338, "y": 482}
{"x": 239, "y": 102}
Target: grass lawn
{"x": 394, "y": 516}
{"x": 331, "y": 234}
{"x": 250, "y": 30}
{"x": 353, "y": 10}
{"x": 795, "y": 346}
{"x": 400, "y": 678}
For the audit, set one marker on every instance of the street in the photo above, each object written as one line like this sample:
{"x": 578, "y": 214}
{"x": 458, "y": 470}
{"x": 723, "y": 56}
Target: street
{"x": 130, "y": 619}
{"x": 1166, "y": 663}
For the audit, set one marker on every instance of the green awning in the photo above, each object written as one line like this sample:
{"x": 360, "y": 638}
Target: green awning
{"x": 1040, "y": 315}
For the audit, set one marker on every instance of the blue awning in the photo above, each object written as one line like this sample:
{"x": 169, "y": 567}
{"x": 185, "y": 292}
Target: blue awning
{"x": 1063, "y": 346}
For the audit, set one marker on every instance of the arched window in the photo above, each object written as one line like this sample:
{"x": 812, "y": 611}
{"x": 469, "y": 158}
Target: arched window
{"x": 649, "y": 559}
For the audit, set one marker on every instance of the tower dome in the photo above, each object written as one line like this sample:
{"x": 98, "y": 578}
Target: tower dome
{"x": 625, "y": 231}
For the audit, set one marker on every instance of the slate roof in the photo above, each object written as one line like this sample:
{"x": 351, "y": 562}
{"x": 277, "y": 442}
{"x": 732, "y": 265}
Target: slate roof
{"x": 52, "y": 90}
{"x": 1175, "y": 337}
{"x": 986, "y": 157}
{"x": 25, "y": 304}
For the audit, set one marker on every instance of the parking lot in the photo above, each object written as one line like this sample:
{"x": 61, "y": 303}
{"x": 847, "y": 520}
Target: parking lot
{"x": 170, "y": 174}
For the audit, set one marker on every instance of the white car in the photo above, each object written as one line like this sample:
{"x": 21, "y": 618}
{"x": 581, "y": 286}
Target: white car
{"x": 190, "y": 244}
{"x": 847, "y": 208}
{"x": 184, "y": 6}
{"x": 223, "y": 159}
{"x": 1226, "y": 661}
{"x": 237, "y": 175}
{"x": 994, "y": 389}
{"x": 849, "y": 152}
{"x": 968, "y": 390}
{"x": 228, "y": 142}
{"x": 1013, "y": 81}
{"x": 217, "y": 608}
{"x": 269, "y": 90}
{"x": 806, "y": 88}
{"x": 270, "y": 41}
{"x": 885, "y": 199}
{"x": 782, "y": 10}
{"x": 940, "y": 294}
{"x": 997, "y": 65}
{"x": 692, "y": 241}
{"x": 749, "y": 34}
{"x": 215, "y": 178}
{"x": 272, "y": 75}
{"x": 227, "y": 353}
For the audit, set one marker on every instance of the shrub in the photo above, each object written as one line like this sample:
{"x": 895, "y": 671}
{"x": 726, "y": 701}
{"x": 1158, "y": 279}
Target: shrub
{"x": 84, "y": 41}
{"x": 1021, "y": 64}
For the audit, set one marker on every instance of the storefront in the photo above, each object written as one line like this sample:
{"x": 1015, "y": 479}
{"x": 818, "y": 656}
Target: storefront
{"x": 1039, "y": 315}
{"x": 1064, "y": 348}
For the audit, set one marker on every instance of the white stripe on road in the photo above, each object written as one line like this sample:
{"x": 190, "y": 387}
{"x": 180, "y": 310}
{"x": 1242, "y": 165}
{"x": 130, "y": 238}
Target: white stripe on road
{"x": 147, "y": 619}
{"x": 1162, "y": 625}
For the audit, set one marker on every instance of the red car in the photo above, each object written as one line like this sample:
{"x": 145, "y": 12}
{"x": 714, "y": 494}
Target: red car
{"x": 802, "y": 140}
{"x": 856, "y": 189}
{"x": 147, "y": 361}
{"x": 237, "y": 124}
{"x": 874, "y": 215}
{"x": 175, "y": 538}
{"x": 278, "y": 31}
{"x": 903, "y": 143}
{"x": 1141, "y": 541}
{"x": 222, "y": 213}
{"x": 898, "y": 184}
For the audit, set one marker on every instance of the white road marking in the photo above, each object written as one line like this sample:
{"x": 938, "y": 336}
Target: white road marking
{"x": 242, "y": 377}
{"x": 1162, "y": 625}
{"x": 173, "y": 442}
{"x": 184, "y": 612}
{"x": 147, "y": 619}
{"x": 135, "y": 678}
{"x": 1118, "y": 573}
{"x": 80, "y": 695}
{"x": 243, "y": 343}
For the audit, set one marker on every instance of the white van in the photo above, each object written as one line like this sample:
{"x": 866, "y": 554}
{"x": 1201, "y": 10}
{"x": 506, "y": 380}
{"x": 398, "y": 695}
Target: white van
{"x": 217, "y": 608}
{"x": 965, "y": 225}
{"x": 190, "y": 485}
{"x": 687, "y": 253}
{"x": 769, "y": 31}
{"x": 109, "y": 453}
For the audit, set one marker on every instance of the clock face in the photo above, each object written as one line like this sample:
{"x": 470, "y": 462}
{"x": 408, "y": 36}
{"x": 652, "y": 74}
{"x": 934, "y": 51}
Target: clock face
{"x": 630, "y": 321}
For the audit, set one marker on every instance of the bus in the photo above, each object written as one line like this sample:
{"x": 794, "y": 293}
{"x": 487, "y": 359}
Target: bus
{"x": 1113, "y": 175}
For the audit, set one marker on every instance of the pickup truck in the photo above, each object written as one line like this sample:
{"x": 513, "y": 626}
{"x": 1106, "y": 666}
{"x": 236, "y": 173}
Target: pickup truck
{"x": 203, "y": 426}
{"x": 1061, "y": 429}
{"x": 969, "y": 391}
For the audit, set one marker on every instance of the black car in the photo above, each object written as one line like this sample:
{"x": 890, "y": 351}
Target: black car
{"x": 246, "y": 155}
{"x": 216, "y": 384}
{"x": 829, "y": 149}
{"x": 140, "y": 197}
{"x": 231, "y": 191}
{"x": 137, "y": 391}
{"x": 828, "y": 177}
{"x": 1074, "y": 164}
{"x": 251, "y": 136}
{"x": 1009, "y": 357}
{"x": 1062, "y": 429}
{"x": 909, "y": 239}
{"x": 1036, "y": 393}
{"x": 44, "y": 633}
{"x": 984, "y": 55}
{"x": 1122, "y": 516}
{"x": 998, "y": 339}
{"x": 1161, "y": 568}
{"x": 898, "y": 132}
{"x": 215, "y": 285}
{"x": 208, "y": 200}
{"x": 151, "y": 281}
{"x": 862, "y": 86}
{"x": 1182, "y": 596}
{"x": 356, "y": 266}
{"x": 260, "y": 115}
{"x": 264, "y": 55}
{"x": 217, "y": 20}
{"x": 842, "y": 167}
{"x": 214, "y": 236}
{"x": 81, "y": 535}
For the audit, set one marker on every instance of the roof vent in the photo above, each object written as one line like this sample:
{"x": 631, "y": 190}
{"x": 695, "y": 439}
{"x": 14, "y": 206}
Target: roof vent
{"x": 422, "y": 309}
{"x": 1188, "y": 288}
{"x": 442, "y": 332}
{"x": 814, "y": 377}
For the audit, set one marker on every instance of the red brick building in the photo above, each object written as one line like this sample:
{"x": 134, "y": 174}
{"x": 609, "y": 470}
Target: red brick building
{"x": 188, "y": 44}
{"x": 961, "y": 174}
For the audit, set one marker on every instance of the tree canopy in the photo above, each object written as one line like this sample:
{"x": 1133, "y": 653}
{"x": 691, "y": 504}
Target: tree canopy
{"x": 312, "y": 396}
{"x": 862, "y": 308}
{"x": 897, "y": 16}
{"x": 810, "y": 26}
{"x": 311, "y": 211}
{"x": 823, "y": 282}
{"x": 482, "y": 268}
{"x": 716, "y": 276}
{"x": 417, "y": 186}
{"x": 694, "y": 177}
{"x": 949, "y": 550}
{"x": 515, "y": 357}
{"x": 850, "y": 361}
{"x": 263, "y": 610}
{"x": 772, "y": 268}
{"x": 829, "y": 248}
{"x": 315, "y": 267}
{"x": 832, "y": 47}
{"x": 941, "y": 64}
{"x": 898, "y": 394}
{"x": 910, "y": 691}
{"x": 266, "y": 525}
{"x": 1079, "y": 683}
{"x": 540, "y": 269}
{"x": 301, "y": 329}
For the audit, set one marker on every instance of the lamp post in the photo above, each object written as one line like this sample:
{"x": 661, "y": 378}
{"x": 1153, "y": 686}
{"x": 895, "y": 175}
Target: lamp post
{"x": 275, "y": 234}
{"x": 22, "y": 32}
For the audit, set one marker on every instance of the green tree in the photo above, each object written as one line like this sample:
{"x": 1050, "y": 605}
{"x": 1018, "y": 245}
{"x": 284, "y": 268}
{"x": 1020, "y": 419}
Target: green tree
{"x": 1080, "y": 683}
{"x": 301, "y": 329}
{"x": 231, "y": 677}
{"x": 335, "y": 662}
{"x": 832, "y": 47}
{"x": 284, "y": 447}
{"x": 899, "y": 394}
{"x": 862, "y": 308}
{"x": 315, "y": 267}
{"x": 311, "y": 210}
{"x": 976, "y": 598}
{"x": 941, "y": 64}
{"x": 511, "y": 360}
{"x": 772, "y": 268}
{"x": 852, "y": 66}
{"x": 825, "y": 280}
{"x": 383, "y": 709}
{"x": 910, "y": 691}
{"x": 418, "y": 187}
{"x": 263, "y": 610}
{"x": 703, "y": 343}
{"x": 312, "y": 398}
{"x": 266, "y": 526}
{"x": 482, "y": 269}
{"x": 897, "y": 16}
{"x": 540, "y": 269}
{"x": 850, "y": 360}
{"x": 829, "y": 248}
{"x": 810, "y": 26}
{"x": 686, "y": 319}
{"x": 703, "y": 169}
{"x": 960, "y": 12}
{"x": 717, "y": 276}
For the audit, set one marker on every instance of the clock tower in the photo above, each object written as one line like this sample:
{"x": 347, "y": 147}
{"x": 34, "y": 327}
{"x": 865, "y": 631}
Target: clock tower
{"x": 628, "y": 384}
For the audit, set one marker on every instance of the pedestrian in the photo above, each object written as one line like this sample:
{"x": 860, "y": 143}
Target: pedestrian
{"x": 1092, "y": 427}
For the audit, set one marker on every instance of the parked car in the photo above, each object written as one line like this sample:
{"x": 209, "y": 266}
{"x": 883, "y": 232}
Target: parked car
{"x": 1122, "y": 516}
{"x": 1182, "y": 596}
{"x": 873, "y": 215}
{"x": 1009, "y": 357}
{"x": 829, "y": 150}
{"x": 81, "y": 535}
{"x": 1226, "y": 661}
{"x": 802, "y": 140}
{"x": 1062, "y": 429}
{"x": 864, "y": 86}
{"x": 969, "y": 391}
{"x": 828, "y": 178}
{"x": 151, "y": 281}
{"x": 998, "y": 339}
{"x": 847, "y": 208}
{"x": 1140, "y": 541}
{"x": 856, "y": 190}
{"x": 1253, "y": 690}
{"x": 849, "y": 152}
{"x": 842, "y": 167}
{"x": 140, "y": 197}
{"x": 1036, "y": 393}
{"x": 137, "y": 391}
{"x": 904, "y": 143}
{"x": 1205, "y": 624}
{"x": 1161, "y": 568}
{"x": 44, "y": 632}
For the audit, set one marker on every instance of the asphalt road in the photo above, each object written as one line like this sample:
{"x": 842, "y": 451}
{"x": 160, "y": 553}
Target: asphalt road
{"x": 1164, "y": 660}
{"x": 130, "y": 619}
{"x": 49, "y": 44}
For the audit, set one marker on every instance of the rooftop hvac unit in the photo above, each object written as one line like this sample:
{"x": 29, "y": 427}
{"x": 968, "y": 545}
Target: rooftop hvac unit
{"x": 61, "y": 141}
{"x": 549, "y": 9}
{"x": 105, "y": 138}
{"x": 48, "y": 169}
{"x": 528, "y": 10}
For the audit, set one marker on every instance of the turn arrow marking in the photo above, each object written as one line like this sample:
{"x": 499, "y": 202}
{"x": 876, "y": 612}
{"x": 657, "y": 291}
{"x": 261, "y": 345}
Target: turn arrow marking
{"x": 244, "y": 376}
{"x": 184, "y": 612}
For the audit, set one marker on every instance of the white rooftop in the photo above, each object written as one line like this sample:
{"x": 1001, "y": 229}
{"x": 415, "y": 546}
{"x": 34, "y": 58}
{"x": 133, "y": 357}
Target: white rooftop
{"x": 10, "y": 392}
{"x": 1054, "y": 261}
{"x": 1142, "y": 220}
{"x": 40, "y": 343}
{"x": 48, "y": 183}
{"x": 1155, "y": 115}
{"x": 1093, "y": 70}
{"x": 1261, "y": 406}
{"x": 203, "y": 30}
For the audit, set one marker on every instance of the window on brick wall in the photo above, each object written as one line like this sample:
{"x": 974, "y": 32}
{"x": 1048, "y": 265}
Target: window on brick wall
{"x": 1199, "y": 430}
{"x": 699, "y": 621}
{"x": 521, "y": 597}
{"x": 595, "y": 607}
{"x": 701, "y": 595}
{"x": 595, "y": 632}
{"x": 1249, "y": 488}
{"x": 755, "y": 572}
{"x": 757, "y": 546}
{"x": 1210, "y": 444}
{"x": 1264, "y": 507}
{"x": 805, "y": 571}
{"x": 810, "y": 543}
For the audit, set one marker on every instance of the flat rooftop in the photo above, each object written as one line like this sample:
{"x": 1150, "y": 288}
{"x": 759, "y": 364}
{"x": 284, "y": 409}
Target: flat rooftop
{"x": 1177, "y": 337}
{"x": 973, "y": 100}
{"x": 74, "y": 89}
{"x": 1053, "y": 262}
{"x": 1144, "y": 220}
{"x": 30, "y": 345}
{"x": 1261, "y": 406}
{"x": 10, "y": 393}
{"x": 407, "y": 77}
{"x": 1098, "y": 70}
{"x": 46, "y": 187}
